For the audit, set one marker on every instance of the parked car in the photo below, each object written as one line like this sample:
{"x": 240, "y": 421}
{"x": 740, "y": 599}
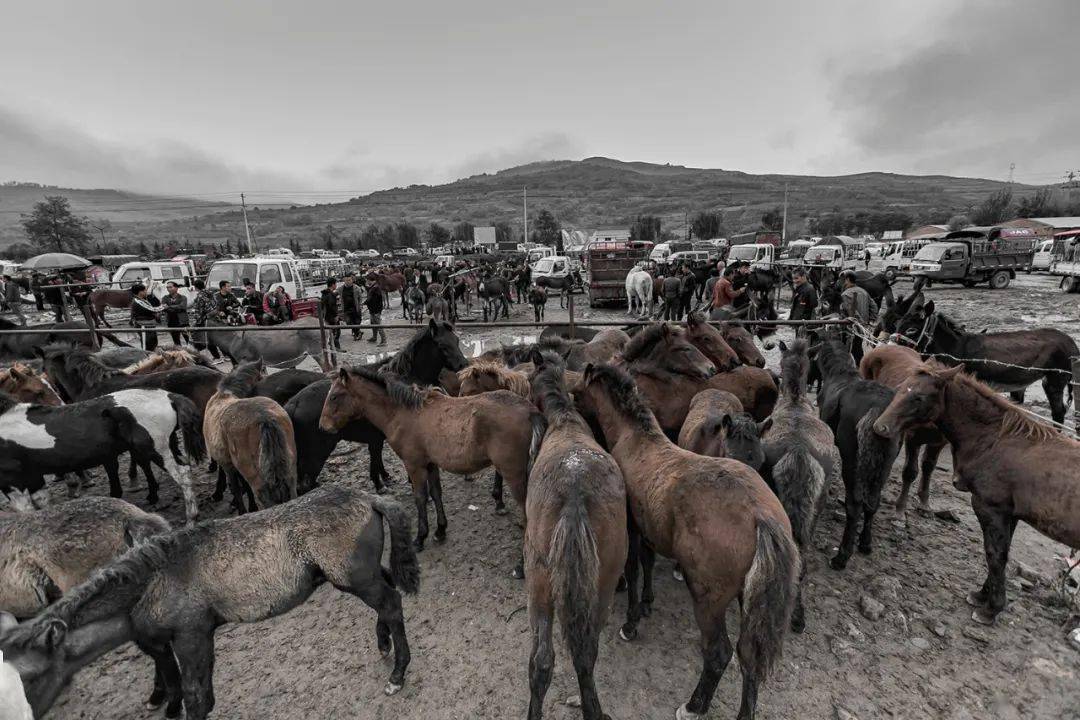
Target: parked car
{"x": 1044, "y": 254}
{"x": 154, "y": 275}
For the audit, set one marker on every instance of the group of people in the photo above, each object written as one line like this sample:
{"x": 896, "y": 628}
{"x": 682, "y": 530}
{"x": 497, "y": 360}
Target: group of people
{"x": 347, "y": 302}
{"x": 54, "y": 292}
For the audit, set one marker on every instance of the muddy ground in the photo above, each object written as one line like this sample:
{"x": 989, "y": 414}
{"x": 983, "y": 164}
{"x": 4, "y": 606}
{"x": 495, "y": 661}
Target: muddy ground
{"x": 923, "y": 658}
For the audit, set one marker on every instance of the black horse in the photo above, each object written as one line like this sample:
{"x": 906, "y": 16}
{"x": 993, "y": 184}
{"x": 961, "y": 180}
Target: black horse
{"x": 282, "y": 386}
{"x": 20, "y": 346}
{"x": 1007, "y": 361}
{"x": 876, "y": 285}
{"x": 850, "y": 405}
{"x": 432, "y": 349}
{"x": 494, "y": 291}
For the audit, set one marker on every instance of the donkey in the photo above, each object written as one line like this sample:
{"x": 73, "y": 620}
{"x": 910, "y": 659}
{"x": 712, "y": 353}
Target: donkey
{"x": 575, "y": 541}
{"x": 25, "y": 385}
{"x": 851, "y": 405}
{"x": 716, "y": 426}
{"x": 46, "y": 553}
{"x": 1007, "y": 361}
{"x": 431, "y": 350}
{"x": 39, "y": 440}
{"x": 890, "y": 365}
{"x": 538, "y": 300}
{"x": 171, "y": 593}
{"x": 431, "y": 431}
{"x": 717, "y": 518}
{"x": 251, "y": 438}
{"x": 801, "y": 459}
{"x": 1015, "y": 467}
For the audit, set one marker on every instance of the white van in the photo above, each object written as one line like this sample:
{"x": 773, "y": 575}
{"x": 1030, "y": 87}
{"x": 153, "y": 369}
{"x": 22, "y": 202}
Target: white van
{"x": 154, "y": 275}
{"x": 265, "y": 272}
{"x": 538, "y": 253}
{"x": 690, "y": 257}
{"x": 1044, "y": 253}
{"x": 759, "y": 255}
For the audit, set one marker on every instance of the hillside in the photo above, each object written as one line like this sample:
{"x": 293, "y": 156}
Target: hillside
{"x": 115, "y": 206}
{"x": 585, "y": 194}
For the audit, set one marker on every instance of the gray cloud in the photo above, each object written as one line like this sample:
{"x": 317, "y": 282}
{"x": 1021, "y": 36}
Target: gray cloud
{"x": 994, "y": 86}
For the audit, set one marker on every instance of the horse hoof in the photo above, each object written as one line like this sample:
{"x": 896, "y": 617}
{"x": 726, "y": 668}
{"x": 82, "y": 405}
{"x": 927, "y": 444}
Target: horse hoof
{"x": 838, "y": 563}
{"x": 518, "y": 573}
{"x": 382, "y": 491}
{"x": 865, "y": 549}
{"x": 500, "y": 509}
{"x": 391, "y": 688}
{"x": 683, "y": 714}
{"x": 440, "y": 537}
{"x": 174, "y": 711}
{"x": 983, "y": 616}
{"x": 975, "y": 599}
{"x": 628, "y": 635}
{"x": 798, "y": 625}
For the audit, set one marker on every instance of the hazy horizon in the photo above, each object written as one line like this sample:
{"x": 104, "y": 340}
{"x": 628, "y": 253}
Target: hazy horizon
{"x": 329, "y": 100}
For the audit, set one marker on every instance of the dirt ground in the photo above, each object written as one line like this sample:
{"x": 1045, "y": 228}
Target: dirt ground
{"x": 923, "y": 658}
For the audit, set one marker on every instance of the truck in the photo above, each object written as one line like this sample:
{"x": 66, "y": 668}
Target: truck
{"x": 155, "y": 274}
{"x": 660, "y": 253}
{"x": 839, "y": 252}
{"x": 607, "y": 265}
{"x": 898, "y": 254}
{"x": 1065, "y": 260}
{"x": 976, "y": 255}
{"x": 267, "y": 272}
{"x": 759, "y": 255}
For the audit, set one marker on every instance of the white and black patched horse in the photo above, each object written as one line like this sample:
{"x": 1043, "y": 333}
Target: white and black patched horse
{"x": 39, "y": 440}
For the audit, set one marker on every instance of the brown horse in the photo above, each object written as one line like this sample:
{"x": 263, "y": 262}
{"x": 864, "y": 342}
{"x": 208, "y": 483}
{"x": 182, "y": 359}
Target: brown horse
{"x": 431, "y": 431}
{"x": 602, "y": 348}
{"x": 575, "y": 542}
{"x": 25, "y": 385}
{"x": 890, "y": 365}
{"x": 251, "y": 438}
{"x": 742, "y": 342}
{"x": 1015, "y": 468}
{"x": 718, "y": 519}
{"x": 104, "y": 298}
{"x": 390, "y": 282}
{"x": 711, "y": 342}
{"x": 716, "y": 426}
{"x": 488, "y": 376}
{"x": 162, "y": 360}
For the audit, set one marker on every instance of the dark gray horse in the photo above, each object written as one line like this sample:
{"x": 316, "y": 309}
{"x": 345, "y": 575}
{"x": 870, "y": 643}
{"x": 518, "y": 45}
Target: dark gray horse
{"x": 285, "y": 348}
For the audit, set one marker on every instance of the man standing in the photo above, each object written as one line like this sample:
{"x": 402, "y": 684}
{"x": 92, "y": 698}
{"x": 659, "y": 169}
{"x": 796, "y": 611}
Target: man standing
{"x": 374, "y": 302}
{"x": 54, "y": 296}
{"x": 804, "y": 299}
{"x": 352, "y": 299}
{"x": 204, "y": 305}
{"x": 145, "y": 309}
{"x": 687, "y": 290}
{"x": 253, "y": 301}
{"x": 13, "y": 298}
{"x": 724, "y": 292}
{"x": 671, "y": 289}
{"x": 225, "y": 303}
{"x": 175, "y": 306}
{"x": 328, "y": 306}
{"x": 859, "y": 306}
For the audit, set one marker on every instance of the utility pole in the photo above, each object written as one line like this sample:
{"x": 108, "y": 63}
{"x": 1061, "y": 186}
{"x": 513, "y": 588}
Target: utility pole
{"x": 525, "y": 212}
{"x": 1012, "y": 166}
{"x": 783, "y": 228}
{"x": 247, "y": 230}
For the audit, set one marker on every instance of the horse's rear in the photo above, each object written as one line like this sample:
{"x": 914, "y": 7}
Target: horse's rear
{"x": 703, "y": 431}
{"x": 889, "y": 364}
{"x": 753, "y": 386}
{"x": 254, "y": 436}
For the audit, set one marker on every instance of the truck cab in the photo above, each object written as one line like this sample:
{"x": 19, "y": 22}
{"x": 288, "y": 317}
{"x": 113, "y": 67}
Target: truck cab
{"x": 759, "y": 255}
{"x": 535, "y": 254}
{"x": 838, "y": 252}
{"x": 154, "y": 275}
{"x": 794, "y": 252}
{"x": 661, "y": 253}
{"x": 975, "y": 255}
{"x": 267, "y": 272}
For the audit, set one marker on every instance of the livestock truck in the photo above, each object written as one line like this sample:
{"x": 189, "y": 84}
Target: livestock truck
{"x": 608, "y": 264}
{"x": 976, "y": 255}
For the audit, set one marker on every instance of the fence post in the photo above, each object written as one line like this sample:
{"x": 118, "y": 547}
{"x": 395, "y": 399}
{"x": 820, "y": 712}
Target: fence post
{"x": 322, "y": 340}
{"x": 1075, "y": 380}
{"x": 573, "y": 335}
{"x": 64, "y": 304}
{"x": 95, "y": 340}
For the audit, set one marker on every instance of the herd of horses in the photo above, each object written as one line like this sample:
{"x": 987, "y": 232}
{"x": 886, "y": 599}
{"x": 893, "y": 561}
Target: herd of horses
{"x": 618, "y": 445}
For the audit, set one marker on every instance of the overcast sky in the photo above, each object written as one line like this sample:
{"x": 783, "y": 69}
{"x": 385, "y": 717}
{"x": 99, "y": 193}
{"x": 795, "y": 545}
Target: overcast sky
{"x": 319, "y": 96}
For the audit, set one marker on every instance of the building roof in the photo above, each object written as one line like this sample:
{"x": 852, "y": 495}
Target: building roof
{"x": 611, "y": 231}
{"x": 1059, "y": 223}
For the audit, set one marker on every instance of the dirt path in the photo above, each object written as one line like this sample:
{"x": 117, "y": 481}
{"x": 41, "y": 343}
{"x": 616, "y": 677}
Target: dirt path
{"x": 922, "y": 658}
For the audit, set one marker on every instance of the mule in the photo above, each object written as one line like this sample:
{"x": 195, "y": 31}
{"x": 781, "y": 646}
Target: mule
{"x": 39, "y": 440}
{"x": 431, "y": 431}
{"x": 488, "y": 376}
{"x": 538, "y": 300}
{"x": 276, "y": 348}
{"x": 575, "y": 541}
{"x": 1015, "y": 467}
{"x": 890, "y": 365}
{"x": 27, "y": 386}
{"x": 1008, "y": 361}
{"x": 717, "y": 518}
{"x": 801, "y": 459}
{"x": 251, "y": 438}
{"x": 431, "y": 350}
{"x": 851, "y": 405}
{"x": 171, "y": 593}
{"x": 716, "y": 426}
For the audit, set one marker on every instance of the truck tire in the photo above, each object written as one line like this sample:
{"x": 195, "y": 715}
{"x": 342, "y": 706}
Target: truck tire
{"x": 890, "y": 274}
{"x": 999, "y": 280}
{"x": 1069, "y": 284}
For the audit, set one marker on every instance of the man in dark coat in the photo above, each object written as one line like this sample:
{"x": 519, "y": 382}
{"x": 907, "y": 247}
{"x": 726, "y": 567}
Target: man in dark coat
{"x": 328, "y": 307}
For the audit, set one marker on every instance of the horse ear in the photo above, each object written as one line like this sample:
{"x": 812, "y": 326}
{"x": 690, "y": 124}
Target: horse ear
{"x": 783, "y": 347}
{"x": 433, "y": 326}
{"x": 691, "y": 320}
{"x": 763, "y": 426}
{"x": 587, "y": 374}
{"x": 725, "y": 423}
{"x": 536, "y": 358}
{"x": 39, "y": 352}
{"x": 17, "y": 371}
{"x": 53, "y": 633}
{"x": 665, "y": 330}
{"x": 949, "y": 374}
{"x": 928, "y": 307}
{"x": 343, "y": 376}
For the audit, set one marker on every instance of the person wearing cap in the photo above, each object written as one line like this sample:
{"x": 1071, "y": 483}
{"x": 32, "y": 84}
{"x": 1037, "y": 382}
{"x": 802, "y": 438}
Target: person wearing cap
{"x": 253, "y": 301}
{"x": 328, "y": 306}
{"x": 857, "y": 305}
{"x": 145, "y": 309}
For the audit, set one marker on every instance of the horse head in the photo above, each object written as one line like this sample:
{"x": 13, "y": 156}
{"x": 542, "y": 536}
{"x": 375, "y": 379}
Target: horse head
{"x": 710, "y": 342}
{"x": 919, "y": 400}
{"x": 36, "y": 649}
{"x": 21, "y": 382}
{"x": 665, "y": 348}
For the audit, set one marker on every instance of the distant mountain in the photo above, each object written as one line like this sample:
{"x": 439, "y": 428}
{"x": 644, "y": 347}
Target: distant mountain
{"x": 116, "y": 206}
{"x": 583, "y": 194}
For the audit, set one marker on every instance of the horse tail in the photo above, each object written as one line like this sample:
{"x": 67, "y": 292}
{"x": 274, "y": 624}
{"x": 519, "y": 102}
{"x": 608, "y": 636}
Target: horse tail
{"x": 189, "y": 424}
{"x": 539, "y": 429}
{"x": 404, "y": 568}
{"x": 876, "y": 453}
{"x": 574, "y": 561}
{"x": 276, "y": 468}
{"x": 800, "y": 484}
{"x": 769, "y": 591}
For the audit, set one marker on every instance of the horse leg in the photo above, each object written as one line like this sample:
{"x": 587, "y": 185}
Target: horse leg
{"x": 375, "y": 469}
{"x": 929, "y": 464}
{"x": 911, "y": 458}
{"x": 1055, "y": 391}
{"x": 633, "y": 598}
{"x": 151, "y": 481}
{"x": 871, "y": 503}
{"x": 194, "y": 650}
{"x": 648, "y": 560}
{"x": 497, "y": 493}
{"x": 583, "y": 652}
{"x": 1018, "y": 396}
{"x": 436, "y": 495}
{"x": 133, "y": 474}
{"x": 219, "y": 486}
{"x": 997, "y": 525}
{"x": 182, "y": 477}
{"x": 716, "y": 651}
{"x": 236, "y": 488}
{"x": 419, "y": 480}
{"x": 542, "y": 657}
{"x": 853, "y": 504}
{"x": 166, "y": 679}
{"x": 112, "y": 469}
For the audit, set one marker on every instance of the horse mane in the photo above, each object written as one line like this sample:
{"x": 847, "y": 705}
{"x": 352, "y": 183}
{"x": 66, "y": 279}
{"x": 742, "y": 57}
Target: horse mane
{"x": 626, "y": 397}
{"x": 641, "y": 343}
{"x": 242, "y": 380}
{"x": 550, "y": 387}
{"x": 835, "y": 359}
{"x": 743, "y": 426}
{"x": 794, "y": 367}
{"x": 82, "y": 362}
{"x": 1014, "y": 421}
{"x": 152, "y": 362}
{"x": 401, "y": 394}
{"x": 402, "y": 363}
{"x": 507, "y": 379}
{"x": 134, "y": 567}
